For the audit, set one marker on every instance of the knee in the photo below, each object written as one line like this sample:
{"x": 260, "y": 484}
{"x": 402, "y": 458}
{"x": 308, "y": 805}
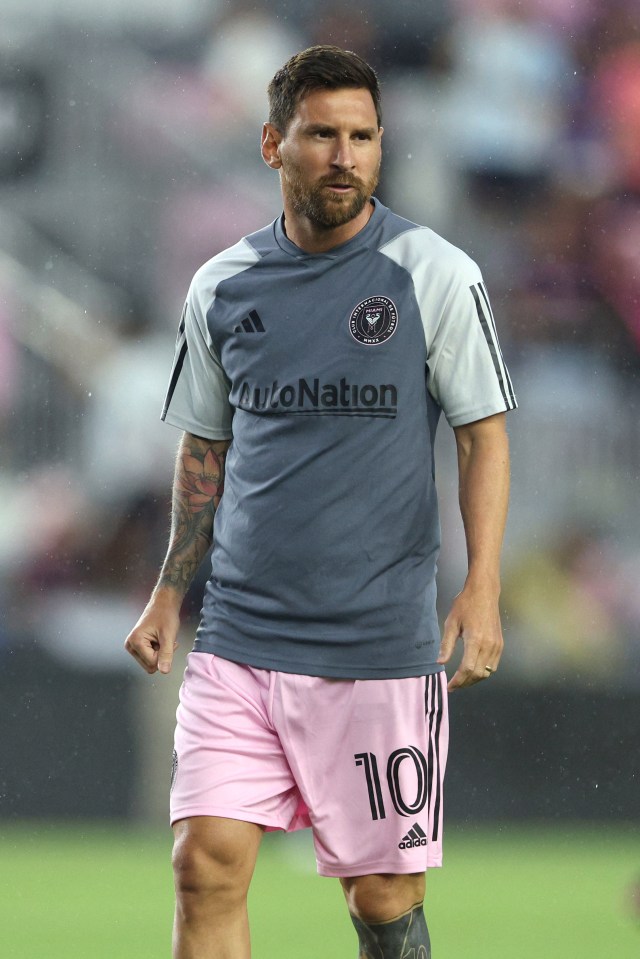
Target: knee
{"x": 380, "y": 898}
{"x": 214, "y": 870}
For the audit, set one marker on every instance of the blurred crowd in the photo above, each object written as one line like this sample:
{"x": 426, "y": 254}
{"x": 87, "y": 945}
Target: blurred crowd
{"x": 512, "y": 127}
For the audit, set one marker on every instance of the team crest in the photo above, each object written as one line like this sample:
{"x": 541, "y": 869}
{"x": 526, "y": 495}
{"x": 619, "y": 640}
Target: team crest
{"x": 174, "y": 769}
{"x": 374, "y": 320}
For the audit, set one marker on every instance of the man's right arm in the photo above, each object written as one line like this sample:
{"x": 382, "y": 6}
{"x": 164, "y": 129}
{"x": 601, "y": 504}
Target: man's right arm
{"x": 197, "y": 489}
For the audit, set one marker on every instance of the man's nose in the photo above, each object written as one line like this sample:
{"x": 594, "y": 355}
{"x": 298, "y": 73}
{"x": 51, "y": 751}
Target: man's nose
{"x": 343, "y": 158}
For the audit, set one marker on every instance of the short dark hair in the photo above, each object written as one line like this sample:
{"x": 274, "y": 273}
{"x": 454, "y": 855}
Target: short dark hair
{"x": 320, "y": 67}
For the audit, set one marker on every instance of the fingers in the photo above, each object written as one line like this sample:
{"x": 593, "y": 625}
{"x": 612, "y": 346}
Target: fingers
{"x": 153, "y": 648}
{"x": 450, "y": 636}
{"x": 153, "y": 639}
{"x": 165, "y": 654}
{"x": 478, "y": 654}
{"x": 143, "y": 649}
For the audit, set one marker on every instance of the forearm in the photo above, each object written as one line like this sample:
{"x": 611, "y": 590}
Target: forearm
{"x": 197, "y": 489}
{"x": 483, "y": 468}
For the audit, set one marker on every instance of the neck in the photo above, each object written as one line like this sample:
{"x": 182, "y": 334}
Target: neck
{"x": 316, "y": 239}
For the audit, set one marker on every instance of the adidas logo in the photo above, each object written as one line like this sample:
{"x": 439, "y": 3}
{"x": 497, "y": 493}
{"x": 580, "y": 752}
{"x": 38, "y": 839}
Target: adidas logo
{"x": 250, "y": 324}
{"x": 415, "y": 837}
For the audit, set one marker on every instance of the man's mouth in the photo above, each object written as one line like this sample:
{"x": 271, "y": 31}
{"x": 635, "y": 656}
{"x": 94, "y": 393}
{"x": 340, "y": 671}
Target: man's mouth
{"x": 340, "y": 187}
{"x": 342, "y": 182}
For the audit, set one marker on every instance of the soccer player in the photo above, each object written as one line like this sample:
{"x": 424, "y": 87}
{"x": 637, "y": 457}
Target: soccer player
{"x": 313, "y": 360}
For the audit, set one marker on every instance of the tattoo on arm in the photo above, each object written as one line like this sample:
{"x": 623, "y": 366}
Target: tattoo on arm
{"x": 197, "y": 489}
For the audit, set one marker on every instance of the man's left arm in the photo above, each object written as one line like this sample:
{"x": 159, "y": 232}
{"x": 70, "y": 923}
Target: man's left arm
{"x": 483, "y": 470}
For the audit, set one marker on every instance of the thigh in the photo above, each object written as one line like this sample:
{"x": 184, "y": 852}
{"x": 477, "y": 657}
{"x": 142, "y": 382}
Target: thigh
{"x": 228, "y": 759}
{"x": 369, "y": 758}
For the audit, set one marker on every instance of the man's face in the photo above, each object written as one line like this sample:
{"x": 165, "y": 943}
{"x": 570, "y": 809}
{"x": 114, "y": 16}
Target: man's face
{"x": 330, "y": 156}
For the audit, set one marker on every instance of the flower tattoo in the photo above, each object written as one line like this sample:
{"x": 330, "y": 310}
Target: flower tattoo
{"x": 202, "y": 482}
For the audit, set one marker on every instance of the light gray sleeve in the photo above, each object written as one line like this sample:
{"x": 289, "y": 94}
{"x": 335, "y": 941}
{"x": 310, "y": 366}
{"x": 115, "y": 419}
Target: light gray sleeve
{"x": 198, "y": 395}
{"x": 466, "y": 373}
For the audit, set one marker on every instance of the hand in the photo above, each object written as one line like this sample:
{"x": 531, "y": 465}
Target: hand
{"x": 475, "y": 618}
{"x": 153, "y": 639}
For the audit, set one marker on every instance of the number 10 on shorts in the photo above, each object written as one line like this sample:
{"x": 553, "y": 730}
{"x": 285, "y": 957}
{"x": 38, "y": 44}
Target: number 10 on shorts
{"x": 369, "y": 762}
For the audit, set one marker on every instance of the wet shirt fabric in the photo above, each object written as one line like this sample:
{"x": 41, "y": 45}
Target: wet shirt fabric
{"x": 329, "y": 372}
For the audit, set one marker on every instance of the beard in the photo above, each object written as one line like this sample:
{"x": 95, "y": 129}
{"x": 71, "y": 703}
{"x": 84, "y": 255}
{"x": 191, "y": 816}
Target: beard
{"x": 324, "y": 209}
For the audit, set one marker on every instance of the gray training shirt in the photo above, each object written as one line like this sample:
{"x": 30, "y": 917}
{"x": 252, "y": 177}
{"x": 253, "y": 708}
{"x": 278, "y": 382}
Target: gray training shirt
{"x": 328, "y": 372}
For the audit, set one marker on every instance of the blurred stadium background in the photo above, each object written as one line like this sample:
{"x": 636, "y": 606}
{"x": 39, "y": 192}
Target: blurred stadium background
{"x": 128, "y": 156}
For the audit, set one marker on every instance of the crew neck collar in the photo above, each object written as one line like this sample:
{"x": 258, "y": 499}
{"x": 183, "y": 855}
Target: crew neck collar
{"x": 359, "y": 239}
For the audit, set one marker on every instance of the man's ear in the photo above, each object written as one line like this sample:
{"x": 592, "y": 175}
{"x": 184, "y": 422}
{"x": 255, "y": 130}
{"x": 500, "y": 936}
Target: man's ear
{"x": 270, "y": 146}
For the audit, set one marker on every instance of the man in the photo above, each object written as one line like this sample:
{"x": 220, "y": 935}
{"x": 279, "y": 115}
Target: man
{"x": 313, "y": 359}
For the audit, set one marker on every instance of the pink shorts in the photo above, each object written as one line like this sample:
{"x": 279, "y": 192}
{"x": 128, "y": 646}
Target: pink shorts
{"x": 360, "y": 761}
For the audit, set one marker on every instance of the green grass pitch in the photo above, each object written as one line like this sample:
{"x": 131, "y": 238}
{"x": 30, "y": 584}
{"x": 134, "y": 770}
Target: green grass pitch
{"x": 105, "y": 892}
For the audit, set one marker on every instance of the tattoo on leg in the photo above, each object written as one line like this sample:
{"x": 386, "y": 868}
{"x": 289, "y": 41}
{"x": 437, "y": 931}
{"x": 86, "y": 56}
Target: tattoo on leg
{"x": 406, "y": 937}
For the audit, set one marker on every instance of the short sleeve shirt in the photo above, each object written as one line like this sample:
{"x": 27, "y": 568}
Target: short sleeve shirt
{"x": 328, "y": 373}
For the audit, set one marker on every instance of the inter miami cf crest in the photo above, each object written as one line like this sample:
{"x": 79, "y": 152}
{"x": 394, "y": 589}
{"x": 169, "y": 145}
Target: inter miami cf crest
{"x": 374, "y": 320}
{"x": 174, "y": 769}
